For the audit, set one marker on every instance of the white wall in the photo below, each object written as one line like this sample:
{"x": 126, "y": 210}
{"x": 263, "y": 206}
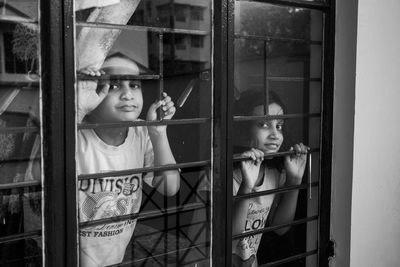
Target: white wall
{"x": 375, "y": 230}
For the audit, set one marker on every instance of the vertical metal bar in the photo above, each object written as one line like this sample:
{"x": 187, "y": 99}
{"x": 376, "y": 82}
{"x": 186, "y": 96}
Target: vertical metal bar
{"x": 72, "y": 238}
{"x": 309, "y": 175}
{"x": 177, "y": 204}
{"x": 222, "y": 187}
{"x": 229, "y": 126}
{"x": 326, "y": 131}
{"x": 161, "y": 70}
{"x": 165, "y": 230}
{"x": 55, "y": 228}
{"x": 266, "y": 89}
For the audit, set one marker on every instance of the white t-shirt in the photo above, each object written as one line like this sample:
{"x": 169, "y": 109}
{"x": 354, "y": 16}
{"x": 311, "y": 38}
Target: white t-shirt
{"x": 99, "y": 198}
{"x": 245, "y": 250}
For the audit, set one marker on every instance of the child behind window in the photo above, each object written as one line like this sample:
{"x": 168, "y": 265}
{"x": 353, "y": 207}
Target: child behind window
{"x": 114, "y": 149}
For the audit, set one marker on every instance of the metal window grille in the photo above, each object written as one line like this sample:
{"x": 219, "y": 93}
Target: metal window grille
{"x": 222, "y": 166}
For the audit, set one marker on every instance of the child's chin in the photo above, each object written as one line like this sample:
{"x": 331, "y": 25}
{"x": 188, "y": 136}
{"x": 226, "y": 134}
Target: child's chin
{"x": 127, "y": 119}
{"x": 270, "y": 151}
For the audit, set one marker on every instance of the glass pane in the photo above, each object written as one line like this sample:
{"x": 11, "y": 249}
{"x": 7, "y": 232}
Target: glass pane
{"x": 144, "y": 101}
{"x": 266, "y": 20}
{"x": 20, "y": 140}
{"x": 20, "y": 10}
{"x": 248, "y": 134}
{"x": 170, "y": 15}
{"x": 277, "y": 71}
{"x": 297, "y": 95}
{"x": 274, "y": 247}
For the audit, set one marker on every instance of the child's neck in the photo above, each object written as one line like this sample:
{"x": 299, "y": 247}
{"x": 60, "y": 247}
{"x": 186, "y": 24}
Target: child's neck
{"x": 112, "y": 136}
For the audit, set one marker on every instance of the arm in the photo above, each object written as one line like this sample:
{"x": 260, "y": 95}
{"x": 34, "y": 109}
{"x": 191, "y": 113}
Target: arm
{"x": 250, "y": 170}
{"x": 294, "y": 166}
{"x": 166, "y": 182}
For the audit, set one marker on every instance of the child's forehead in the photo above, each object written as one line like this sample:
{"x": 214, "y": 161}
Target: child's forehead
{"x": 273, "y": 109}
{"x": 120, "y": 66}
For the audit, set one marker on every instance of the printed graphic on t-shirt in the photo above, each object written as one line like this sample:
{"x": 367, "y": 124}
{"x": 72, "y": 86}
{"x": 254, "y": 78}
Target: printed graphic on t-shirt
{"x": 247, "y": 247}
{"x": 108, "y": 197}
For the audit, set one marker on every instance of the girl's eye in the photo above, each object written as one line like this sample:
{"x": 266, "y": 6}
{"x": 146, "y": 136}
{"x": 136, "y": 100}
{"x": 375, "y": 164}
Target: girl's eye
{"x": 262, "y": 124}
{"x": 135, "y": 85}
{"x": 114, "y": 86}
{"x": 279, "y": 127}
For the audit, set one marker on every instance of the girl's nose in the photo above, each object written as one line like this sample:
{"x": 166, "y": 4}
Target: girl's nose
{"x": 126, "y": 92}
{"x": 273, "y": 133}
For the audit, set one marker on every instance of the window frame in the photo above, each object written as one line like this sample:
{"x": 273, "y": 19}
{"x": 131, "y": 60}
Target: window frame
{"x": 59, "y": 126}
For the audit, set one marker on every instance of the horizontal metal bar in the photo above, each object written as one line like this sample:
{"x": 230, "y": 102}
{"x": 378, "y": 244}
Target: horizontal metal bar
{"x": 202, "y": 261}
{"x": 147, "y": 169}
{"x": 21, "y": 236}
{"x": 280, "y": 190}
{"x": 143, "y": 123}
{"x": 317, "y": 5}
{"x": 237, "y": 158}
{"x": 133, "y": 262}
{"x": 274, "y": 38}
{"x": 106, "y": 77}
{"x": 146, "y": 215}
{"x": 18, "y": 129}
{"x": 292, "y": 79}
{"x": 19, "y": 85}
{"x": 171, "y": 228}
{"x": 18, "y": 160}
{"x": 276, "y": 117}
{"x": 140, "y": 28}
{"x": 19, "y": 185}
{"x": 15, "y": 19}
{"x": 275, "y": 227}
{"x": 290, "y": 259}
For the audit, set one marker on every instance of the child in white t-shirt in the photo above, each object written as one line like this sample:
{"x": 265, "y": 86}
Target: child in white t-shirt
{"x": 114, "y": 149}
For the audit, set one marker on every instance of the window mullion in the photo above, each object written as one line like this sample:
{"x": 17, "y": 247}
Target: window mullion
{"x": 55, "y": 227}
{"x": 221, "y": 228}
{"x": 70, "y": 138}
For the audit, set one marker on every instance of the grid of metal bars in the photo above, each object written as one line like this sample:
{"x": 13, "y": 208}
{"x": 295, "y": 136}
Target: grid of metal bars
{"x": 323, "y": 186}
{"x": 159, "y": 212}
{"x": 223, "y": 10}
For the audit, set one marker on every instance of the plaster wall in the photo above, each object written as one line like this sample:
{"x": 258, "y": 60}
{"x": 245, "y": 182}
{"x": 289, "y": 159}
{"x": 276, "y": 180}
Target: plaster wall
{"x": 375, "y": 211}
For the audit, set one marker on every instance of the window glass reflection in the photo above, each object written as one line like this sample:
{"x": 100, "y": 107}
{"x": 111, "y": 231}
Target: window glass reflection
{"x": 20, "y": 140}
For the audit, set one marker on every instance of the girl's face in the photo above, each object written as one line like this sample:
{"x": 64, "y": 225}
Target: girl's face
{"x": 267, "y": 135}
{"x": 123, "y": 102}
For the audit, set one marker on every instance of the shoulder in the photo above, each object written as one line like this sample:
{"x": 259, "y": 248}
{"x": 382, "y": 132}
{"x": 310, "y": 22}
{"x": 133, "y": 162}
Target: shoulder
{"x": 85, "y": 137}
{"x": 138, "y": 133}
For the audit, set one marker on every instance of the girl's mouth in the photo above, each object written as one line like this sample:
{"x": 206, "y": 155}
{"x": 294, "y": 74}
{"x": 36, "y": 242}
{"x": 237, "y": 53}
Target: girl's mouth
{"x": 271, "y": 146}
{"x": 128, "y": 108}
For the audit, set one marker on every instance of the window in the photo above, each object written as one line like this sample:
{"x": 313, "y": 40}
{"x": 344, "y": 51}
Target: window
{"x": 21, "y": 178}
{"x": 163, "y": 186}
{"x": 197, "y": 41}
{"x": 196, "y": 13}
{"x": 180, "y": 42}
{"x": 180, "y": 13}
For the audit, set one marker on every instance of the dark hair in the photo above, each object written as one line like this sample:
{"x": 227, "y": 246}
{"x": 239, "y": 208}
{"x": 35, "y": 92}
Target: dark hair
{"x": 244, "y": 106}
{"x": 252, "y": 98}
